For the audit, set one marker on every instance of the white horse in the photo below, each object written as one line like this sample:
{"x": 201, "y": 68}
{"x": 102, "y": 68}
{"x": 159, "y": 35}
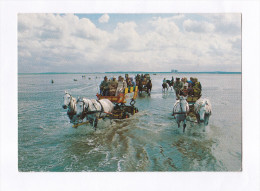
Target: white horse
{"x": 94, "y": 109}
{"x": 180, "y": 111}
{"x": 202, "y": 109}
{"x": 70, "y": 104}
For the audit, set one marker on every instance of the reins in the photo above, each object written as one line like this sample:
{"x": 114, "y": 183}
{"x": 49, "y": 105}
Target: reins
{"x": 85, "y": 110}
{"x": 181, "y": 112}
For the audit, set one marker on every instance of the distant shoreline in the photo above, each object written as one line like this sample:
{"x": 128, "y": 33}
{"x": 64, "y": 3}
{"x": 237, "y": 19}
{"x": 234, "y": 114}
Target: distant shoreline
{"x": 131, "y": 72}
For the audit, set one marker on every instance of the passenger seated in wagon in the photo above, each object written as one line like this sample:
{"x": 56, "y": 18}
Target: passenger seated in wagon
{"x": 121, "y": 85}
{"x": 184, "y": 91}
{"x": 113, "y": 86}
{"x": 137, "y": 79}
{"x": 191, "y": 81}
{"x": 132, "y": 82}
{"x": 129, "y": 82}
{"x": 197, "y": 88}
{"x": 184, "y": 81}
{"x": 190, "y": 90}
{"x": 178, "y": 85}
{"x": 104, "y": 87}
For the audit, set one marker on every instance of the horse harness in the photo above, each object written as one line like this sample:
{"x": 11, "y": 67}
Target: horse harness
{"x": 181, "y": 112}
{"x": 85, "y": 111}
{"x": 69, "y": 112}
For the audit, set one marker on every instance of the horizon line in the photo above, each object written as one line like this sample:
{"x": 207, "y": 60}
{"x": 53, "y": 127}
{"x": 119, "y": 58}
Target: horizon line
{"x": 212, "y": 72}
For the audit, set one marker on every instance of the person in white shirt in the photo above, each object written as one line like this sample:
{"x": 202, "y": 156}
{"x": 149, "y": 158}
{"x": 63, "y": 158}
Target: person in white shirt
{"x": 121, "y": 85}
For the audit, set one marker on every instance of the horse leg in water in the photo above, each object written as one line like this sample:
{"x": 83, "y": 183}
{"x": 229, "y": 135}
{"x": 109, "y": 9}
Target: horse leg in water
{"x": 95, "y": 122}
{"x": 184, "y": 125}
{"x": 149, "y": 91}
{"x": 110, "y": 119}
{"x": 178, "y": 124}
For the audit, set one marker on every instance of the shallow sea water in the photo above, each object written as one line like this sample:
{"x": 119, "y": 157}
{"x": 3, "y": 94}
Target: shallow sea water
{"x": 148, "y": 141}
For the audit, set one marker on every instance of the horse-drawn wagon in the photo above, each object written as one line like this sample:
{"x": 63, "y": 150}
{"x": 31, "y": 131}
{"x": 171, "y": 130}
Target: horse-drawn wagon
{"x": 113, "y": 107}
{"x": 144, "y": 83}
{"x": 192, "y": 108}
{"x": 121, "y": 110}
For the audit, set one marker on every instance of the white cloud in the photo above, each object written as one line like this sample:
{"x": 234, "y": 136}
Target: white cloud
{"x": 226, "y": 23}
{"x": 164, "y": 26}
{"x": 199, "y": 27}
{"x": 50, "y": 42}
{"x": 126, "y": 38}
{"x": 104, "y": 18}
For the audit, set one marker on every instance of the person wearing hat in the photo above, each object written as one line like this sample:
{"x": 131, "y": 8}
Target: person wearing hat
{"x": 178, "y": 85}
{"x": 113, "y": 86}
{"x": 104, "y": 88}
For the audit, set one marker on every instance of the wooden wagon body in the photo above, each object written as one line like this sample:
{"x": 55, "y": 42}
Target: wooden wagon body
{"x": 122, "y": 111}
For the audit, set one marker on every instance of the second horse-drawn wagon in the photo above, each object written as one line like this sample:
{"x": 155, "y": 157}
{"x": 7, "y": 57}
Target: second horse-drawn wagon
{"x": 121, "y": 110}
{"x": 144, "y": 83}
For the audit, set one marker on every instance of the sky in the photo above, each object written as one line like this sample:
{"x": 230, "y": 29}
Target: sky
{"x": 129, "y": 42}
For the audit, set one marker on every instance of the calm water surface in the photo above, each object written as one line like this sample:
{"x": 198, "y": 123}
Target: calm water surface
{"x": 148, "y": 141}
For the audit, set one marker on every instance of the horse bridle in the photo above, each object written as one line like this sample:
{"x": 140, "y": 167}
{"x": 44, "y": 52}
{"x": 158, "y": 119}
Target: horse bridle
{"x": 181, "y": 106}
{"x": 69, "y": 95}
{"x": 83, "y": 110}
{"x": 70, "y": 105}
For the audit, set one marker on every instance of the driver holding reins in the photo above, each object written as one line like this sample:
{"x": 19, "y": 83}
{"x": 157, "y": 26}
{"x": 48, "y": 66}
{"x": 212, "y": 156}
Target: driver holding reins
{"x": 104, "y": 87}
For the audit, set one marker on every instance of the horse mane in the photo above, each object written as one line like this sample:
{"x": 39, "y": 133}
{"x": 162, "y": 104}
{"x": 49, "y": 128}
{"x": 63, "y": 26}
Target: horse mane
{"x": 208, "y": 107}
{"x": 73, "y": 100}
{"x": 202, "y": 103}
{"x": 178, "y": 102}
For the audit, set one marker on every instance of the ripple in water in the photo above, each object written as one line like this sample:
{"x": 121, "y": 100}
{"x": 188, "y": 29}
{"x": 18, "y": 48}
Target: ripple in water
{"x": 148, "y": 141}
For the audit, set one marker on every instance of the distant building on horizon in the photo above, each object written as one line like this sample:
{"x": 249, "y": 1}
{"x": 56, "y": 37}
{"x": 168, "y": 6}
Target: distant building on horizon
{"x": 174, "y": 71}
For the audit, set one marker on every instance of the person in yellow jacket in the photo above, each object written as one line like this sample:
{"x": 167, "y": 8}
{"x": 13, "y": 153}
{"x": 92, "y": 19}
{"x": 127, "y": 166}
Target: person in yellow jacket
{"x": 197, "y": 88}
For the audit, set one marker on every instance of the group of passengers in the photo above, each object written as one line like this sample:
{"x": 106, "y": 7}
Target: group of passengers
{"x": 142, "y": 81}
{"x": 185, "y": 87}
{"x": 113, "y": 87}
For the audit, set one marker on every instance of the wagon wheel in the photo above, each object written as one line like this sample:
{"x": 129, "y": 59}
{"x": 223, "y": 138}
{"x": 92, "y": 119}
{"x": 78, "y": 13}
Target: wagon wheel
{"x": 126, "y": 115}
{"x": 135, "y": 110}
{"x": 121, "y": 106}
{"x": 117, "y": 106}
{"x": 132, "y": 103}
